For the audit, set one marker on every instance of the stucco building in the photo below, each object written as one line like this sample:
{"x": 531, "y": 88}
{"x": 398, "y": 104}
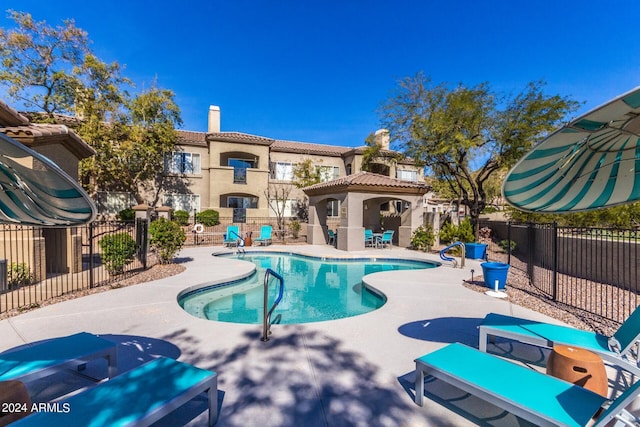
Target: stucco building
{"x": 228, "y": 171}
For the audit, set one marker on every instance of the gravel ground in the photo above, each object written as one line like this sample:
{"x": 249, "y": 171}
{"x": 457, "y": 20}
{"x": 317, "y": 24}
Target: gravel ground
{"x": 520, "y": 292}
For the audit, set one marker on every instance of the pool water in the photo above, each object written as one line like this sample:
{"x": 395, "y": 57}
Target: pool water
{"x": 315, "y": 289}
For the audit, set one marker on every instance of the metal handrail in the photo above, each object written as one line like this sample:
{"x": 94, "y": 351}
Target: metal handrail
{"x": 446, "y": 258}
{"x": 266, "y": 317}
{"x": 239, "y": 247}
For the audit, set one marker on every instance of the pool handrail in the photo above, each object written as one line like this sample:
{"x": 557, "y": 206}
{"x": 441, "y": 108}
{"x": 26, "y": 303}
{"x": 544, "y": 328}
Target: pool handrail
{"x": 266, "y": 318}
{"x": 446, "y": 258}
{"x": 241, "y": 244}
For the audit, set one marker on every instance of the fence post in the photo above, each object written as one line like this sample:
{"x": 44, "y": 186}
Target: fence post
{"x": 91, "y": 261}
{"x": 531, "y": 249}
{"x": 509, "y": 242}
{"x": 554, "y": 272}
{"x": 142, "y": 240}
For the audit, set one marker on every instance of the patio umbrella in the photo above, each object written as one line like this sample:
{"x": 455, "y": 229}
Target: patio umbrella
{"x": 35, "y": 191}
{"x": 592, "y": 162}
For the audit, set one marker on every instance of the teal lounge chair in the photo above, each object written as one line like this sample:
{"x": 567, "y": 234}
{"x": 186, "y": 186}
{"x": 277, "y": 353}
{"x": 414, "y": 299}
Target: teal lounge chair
{"x": 47, "y": 358}
{"x": 232, "y": 237}
{"x": 617, "y": 349}
{"x": 541, "y": 399}
{"x": 138, "y": 397}
{"x": 265, "y": 235}
{"x": 386, "y": 239}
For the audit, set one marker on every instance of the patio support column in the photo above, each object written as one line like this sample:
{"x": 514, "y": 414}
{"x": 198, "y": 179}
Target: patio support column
{"x": 410, "y": 222}
{"x": 316, "y": 226}
{"x": 351, "y": 231}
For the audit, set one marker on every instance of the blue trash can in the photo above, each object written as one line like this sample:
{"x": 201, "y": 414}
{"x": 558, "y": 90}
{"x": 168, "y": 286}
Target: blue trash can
{"x": 493, "y": 271}
{"x": 475, "y": 250}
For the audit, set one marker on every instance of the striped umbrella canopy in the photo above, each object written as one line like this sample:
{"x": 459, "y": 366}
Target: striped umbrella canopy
{"x": 590, "y": 163}
{"x": 35, "y": 191}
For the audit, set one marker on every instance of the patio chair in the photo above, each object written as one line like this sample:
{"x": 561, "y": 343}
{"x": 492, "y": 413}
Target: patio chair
{"x": 332, "y": 237}
{"x": 265, "y": 235}
{"x": 47, "y": 358}
{"x": 541, "y": 399}
{"x": 386, "y": 239}
{"x": 232, "y": 236}
{"x": 369, "y": 240}
{"x": 139, "y": 397}
{"x": 617, "y": 349}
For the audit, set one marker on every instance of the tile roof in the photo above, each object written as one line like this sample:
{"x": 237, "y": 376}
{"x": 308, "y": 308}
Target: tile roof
{"x": 308, "y": 148}
{"x": 11, "y": 117}
{"x": 187, "y": 137}
{"x": 41, "y": 133}
{"x": 239, "y": 137}
{"x": 367, "y": 181}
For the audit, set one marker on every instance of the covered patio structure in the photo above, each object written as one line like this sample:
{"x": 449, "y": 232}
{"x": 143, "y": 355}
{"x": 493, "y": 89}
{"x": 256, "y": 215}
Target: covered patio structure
{"x": 360, "y": 198}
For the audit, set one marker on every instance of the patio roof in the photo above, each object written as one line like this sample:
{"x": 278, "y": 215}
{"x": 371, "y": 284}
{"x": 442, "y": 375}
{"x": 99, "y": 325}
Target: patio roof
{"x": 367, "y": 182}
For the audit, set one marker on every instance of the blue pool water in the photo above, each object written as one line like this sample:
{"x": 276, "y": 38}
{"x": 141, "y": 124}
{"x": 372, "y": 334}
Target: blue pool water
{"x": 315, "y": 289}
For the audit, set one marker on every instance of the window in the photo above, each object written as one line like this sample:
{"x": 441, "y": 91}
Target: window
{"x": 333, "y": 208}
{"x": 242, "y": 202}
{"x": 182, "y": 163}
{"x": 182, "y": 202}
{"x": 327, "y": 173}
{"x": 112, "y": 202}
{"x": 240, "y": 167}
{"x": 282, "y": 171}
{"x": 349, "y": 169}
{"x": 290, "y": 207}
{"x": 407, "y": 175}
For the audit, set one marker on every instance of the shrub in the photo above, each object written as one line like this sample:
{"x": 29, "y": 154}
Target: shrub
{"x": 181, "y": 217}
{"x": 18, "y": 274}
{"x": 295, "y": 227}
{"x": 166, "y": 238}
{"x": 127, "y": 215}
{"x": 463, "y": 232}
{"x": 423, "y": 238}
{"x": 208, "y": 218}
{"x": 118, "y": 250}
{"x": 505, "y": 245}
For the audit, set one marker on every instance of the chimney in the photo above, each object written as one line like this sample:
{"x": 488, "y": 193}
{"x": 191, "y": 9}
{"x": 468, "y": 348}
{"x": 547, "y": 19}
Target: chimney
{"x": 382, "y": 138}
{"x": 214, "y": 119}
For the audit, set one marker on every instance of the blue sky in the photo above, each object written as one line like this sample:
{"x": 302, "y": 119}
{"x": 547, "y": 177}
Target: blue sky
{"x": 316, "y": 71}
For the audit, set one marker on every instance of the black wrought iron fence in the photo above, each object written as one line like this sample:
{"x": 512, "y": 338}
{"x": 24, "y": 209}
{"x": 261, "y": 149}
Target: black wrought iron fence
{"x": 37, "y": 264}
{"x": 594, "y": 270}
{"x": 215, "y": 234}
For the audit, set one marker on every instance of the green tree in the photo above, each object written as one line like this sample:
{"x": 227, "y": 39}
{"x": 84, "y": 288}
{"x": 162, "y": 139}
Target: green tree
{"x": 466, "y": 134}
{"x": 374, "y": 153}
{"x": 131, "y": 148}
{"x": 52, "y": 70}
{"x": 306, "y": 174}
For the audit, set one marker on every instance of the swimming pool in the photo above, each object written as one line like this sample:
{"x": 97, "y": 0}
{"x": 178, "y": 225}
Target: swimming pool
{"x": 316, "y": 289}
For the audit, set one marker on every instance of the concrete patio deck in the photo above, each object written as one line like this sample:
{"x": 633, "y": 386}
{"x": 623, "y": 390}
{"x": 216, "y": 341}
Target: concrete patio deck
{"x": 349, "y": 372}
